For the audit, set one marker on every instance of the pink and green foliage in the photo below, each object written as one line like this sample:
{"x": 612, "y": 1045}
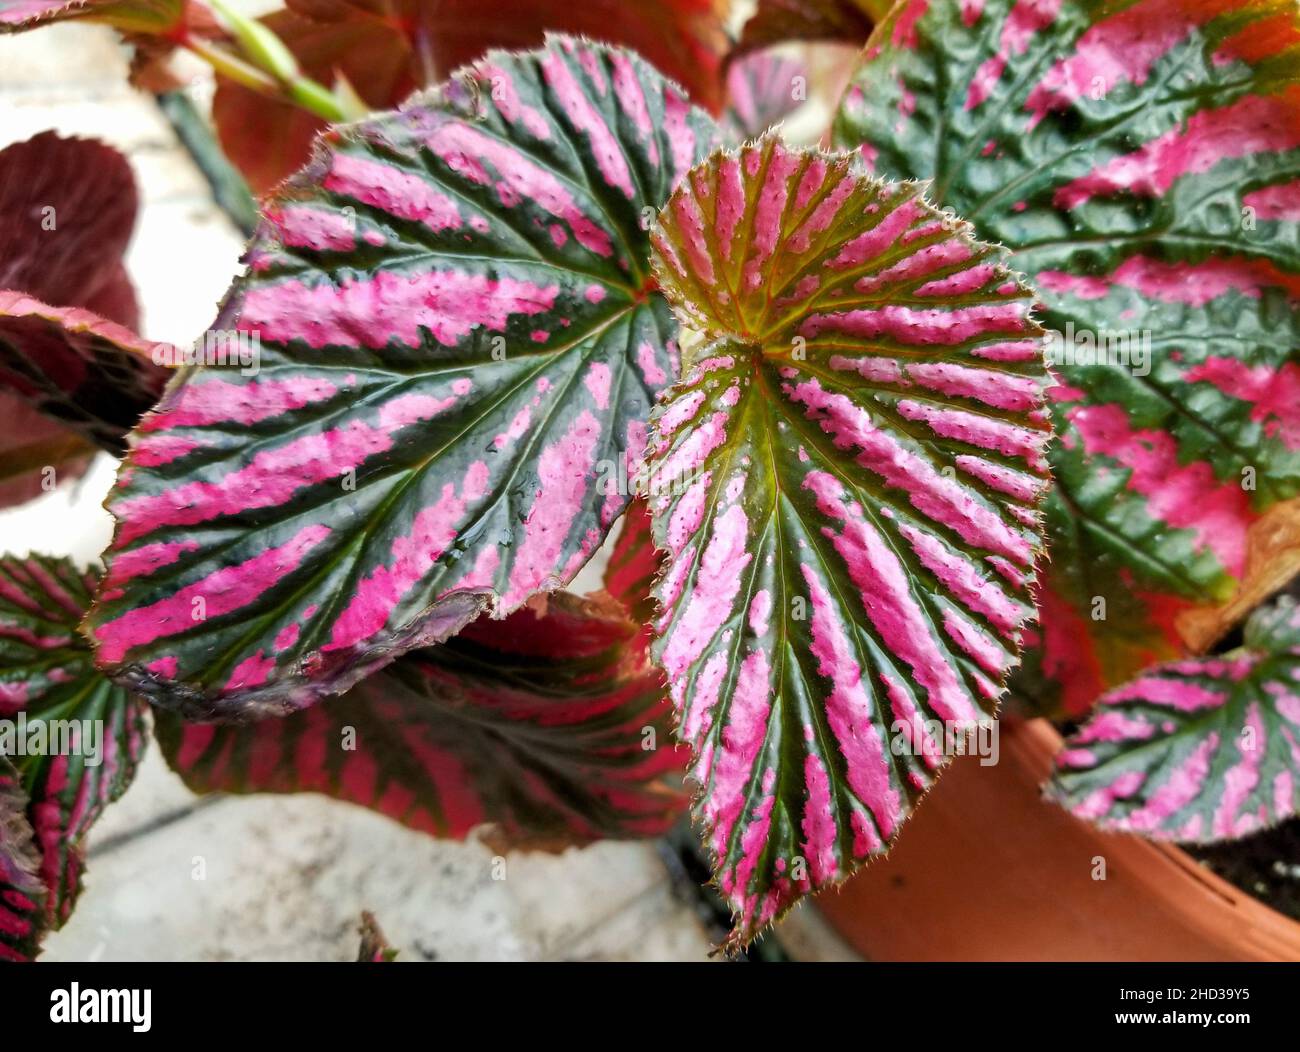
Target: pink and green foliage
{"x": 458, "y": 336}
{"x": 1196, "y": 750}
{"x": 467, "y": 360}
{"x": 386, "y": 50}
{"x": 847, "y": 480}
{"x": 61, "y": 773}
{"x": 551, "y": 728}
{"x": 1142, "y": 161}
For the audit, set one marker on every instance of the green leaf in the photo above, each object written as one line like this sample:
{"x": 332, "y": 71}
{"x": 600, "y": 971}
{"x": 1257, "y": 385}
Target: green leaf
{"x": 1195, "y": 750}
{"x": 845, "y": 481}
{"x": 71, "y": 738}
{"x": 458, "y": 341}
{"x": 1142, "y": 161}
{"x": 551, "y": 729}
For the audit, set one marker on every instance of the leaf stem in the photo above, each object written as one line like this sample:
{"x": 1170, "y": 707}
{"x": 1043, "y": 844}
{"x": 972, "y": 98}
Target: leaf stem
{"x": 301, "y": 91}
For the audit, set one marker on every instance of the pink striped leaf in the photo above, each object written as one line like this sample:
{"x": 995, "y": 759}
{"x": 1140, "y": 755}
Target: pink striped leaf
{"x": 1195, "y": 750}
{"x": 634, "y": 564}
{"x": 22, "y": 895}
{"x": 552, "y": 729}
{"x": 72, "y": 738}
{"x": 845, "y": 482}
{"x": 1142, "y": 161}
{"x": 458, "y": 345}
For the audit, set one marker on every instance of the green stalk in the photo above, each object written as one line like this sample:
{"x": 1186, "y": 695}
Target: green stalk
{"x": 269, "y": 68}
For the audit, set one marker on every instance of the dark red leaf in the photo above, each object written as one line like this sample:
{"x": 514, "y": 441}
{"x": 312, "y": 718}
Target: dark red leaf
{"x": 67, "y": 209}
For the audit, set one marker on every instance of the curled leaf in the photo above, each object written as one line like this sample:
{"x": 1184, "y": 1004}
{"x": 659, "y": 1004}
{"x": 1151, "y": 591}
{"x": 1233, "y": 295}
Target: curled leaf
{"x": 67, "y": 208}
{"x": 93, "y": 376}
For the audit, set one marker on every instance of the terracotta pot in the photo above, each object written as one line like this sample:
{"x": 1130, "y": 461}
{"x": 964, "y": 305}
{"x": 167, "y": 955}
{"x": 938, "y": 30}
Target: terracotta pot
{"x": 987, "y": 871}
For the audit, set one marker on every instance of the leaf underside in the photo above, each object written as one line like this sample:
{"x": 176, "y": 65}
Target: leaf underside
{"x": 92, "y": 376}
{"x": 1142, "y": 162}
{"x": 458, "y": 337}
{"x": 845, "y": 482}
{"x": 1195, "y": 750}
{"x": 536, "y": 726}
{"x": 83, "y": 739}
{"x": 67, "y": 208}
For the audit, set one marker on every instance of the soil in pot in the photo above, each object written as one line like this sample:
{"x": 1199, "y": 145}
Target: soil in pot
{"x": 1266, "y": 865}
